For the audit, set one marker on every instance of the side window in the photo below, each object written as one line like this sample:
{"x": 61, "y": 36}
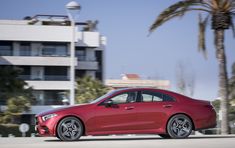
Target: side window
{"x": 148, "y": 96}
{"x": 168, "y": 98}
{"x": 119, "y": 98}
{"x": 124, "y": 98}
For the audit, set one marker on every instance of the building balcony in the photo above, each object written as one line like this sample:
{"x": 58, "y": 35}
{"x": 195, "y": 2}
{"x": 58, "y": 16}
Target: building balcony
{"x": 88, "y": 39}
{"x": 87, "y": 65}
{"x": 35, "y": 61}
{"x": 39, "y": 33}
{"x": 45, "y": 78}
{"x": 49, "y": 85}
{"x": 25, "y": 32}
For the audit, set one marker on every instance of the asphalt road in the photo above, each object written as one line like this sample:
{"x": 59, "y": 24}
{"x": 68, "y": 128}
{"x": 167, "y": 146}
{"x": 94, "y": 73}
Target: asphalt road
{"x": 131, "y": 141}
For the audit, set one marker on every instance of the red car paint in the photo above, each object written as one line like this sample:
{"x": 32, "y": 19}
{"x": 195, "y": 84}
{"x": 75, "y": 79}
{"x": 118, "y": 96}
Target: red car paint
{"x": 131, "y": 118}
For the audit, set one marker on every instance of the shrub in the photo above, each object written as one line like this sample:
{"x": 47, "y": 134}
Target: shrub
{"x": 6, "y": 129}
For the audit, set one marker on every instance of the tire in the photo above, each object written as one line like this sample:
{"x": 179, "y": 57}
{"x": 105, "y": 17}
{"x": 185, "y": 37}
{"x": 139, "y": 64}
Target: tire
{"x": 69, "y": 129}
{"x": 179, "y": 126}
{"x": 165, "y": 136}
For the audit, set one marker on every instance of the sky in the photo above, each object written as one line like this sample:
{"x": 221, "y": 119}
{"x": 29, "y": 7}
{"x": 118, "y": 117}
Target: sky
{"x": 125, "y": 23}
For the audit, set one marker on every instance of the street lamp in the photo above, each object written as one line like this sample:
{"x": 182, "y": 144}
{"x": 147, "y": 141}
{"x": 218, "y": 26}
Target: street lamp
{"x": 72, "y": 9}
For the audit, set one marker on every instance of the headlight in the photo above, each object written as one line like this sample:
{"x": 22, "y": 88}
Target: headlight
{"x": 49, "y": 116}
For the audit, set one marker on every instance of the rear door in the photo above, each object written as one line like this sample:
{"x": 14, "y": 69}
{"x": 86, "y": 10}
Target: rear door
{"x": 153, "y": 109}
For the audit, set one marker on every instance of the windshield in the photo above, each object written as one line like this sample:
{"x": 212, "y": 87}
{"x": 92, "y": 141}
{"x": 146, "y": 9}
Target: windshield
{"x": 104, "y": 96}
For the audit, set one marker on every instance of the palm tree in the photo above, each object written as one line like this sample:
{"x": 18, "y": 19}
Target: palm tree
{"x": 221, "y": 13}
{"x": 89, "y": 89}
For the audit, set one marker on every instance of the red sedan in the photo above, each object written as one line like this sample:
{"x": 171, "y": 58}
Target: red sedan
{"x": 129, "y": 111}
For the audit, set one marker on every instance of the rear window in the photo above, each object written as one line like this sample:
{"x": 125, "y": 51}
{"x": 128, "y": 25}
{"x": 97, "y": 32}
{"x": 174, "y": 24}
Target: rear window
{"x": 150, "y": 96}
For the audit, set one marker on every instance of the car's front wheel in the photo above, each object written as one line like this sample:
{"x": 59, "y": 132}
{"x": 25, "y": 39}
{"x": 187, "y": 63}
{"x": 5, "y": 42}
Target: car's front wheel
{"x": 179, "y": 126}
{"x": 69, "y": 129}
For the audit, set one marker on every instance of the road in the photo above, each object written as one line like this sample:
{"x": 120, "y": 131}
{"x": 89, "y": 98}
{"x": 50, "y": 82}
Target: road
{"x": 131, "y": 141}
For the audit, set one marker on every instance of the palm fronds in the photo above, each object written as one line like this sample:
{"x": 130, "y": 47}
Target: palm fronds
{"x": 176, "y": 10}
{"x": 221, "y": 13}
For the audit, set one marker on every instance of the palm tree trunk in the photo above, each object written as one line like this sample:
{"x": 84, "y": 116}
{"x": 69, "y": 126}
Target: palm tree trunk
{"x": 223, "y": 79}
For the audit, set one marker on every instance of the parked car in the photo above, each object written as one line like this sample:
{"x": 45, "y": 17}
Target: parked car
{"x": 129, "y": 111}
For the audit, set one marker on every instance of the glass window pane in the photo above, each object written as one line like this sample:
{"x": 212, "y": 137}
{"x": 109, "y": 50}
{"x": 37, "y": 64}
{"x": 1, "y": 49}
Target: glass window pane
{"x": 125, "y": 98}
{"x": 6, "y": 48}
{"x": 147, "y": 98}
{"x": 25, "y": 49}
{"x": 119, "y": 99}
{"x": 168, "y": 98}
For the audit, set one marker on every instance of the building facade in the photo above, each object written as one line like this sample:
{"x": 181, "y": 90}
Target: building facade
{"x": 134, "y": 80}
{"x": 40, "y": 46}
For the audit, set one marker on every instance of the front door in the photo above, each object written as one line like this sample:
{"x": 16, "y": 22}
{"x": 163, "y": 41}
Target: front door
{"x": 120, "y": 116}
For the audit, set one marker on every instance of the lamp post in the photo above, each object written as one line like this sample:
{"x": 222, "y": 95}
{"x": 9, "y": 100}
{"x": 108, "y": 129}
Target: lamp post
{"x": 72, "y": 9}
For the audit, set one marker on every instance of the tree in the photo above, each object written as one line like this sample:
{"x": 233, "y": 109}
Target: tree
{"x": 89, "y": 89}
{"x": 232, "y": 94}
{"x": 221, "y": 13}
{"x": 15, "y": 106}
{"x": 185, "y": 79}
{"x": 14, "y": 92}
{"x": 232, "y": 84}
{"x": 11, "y": 85}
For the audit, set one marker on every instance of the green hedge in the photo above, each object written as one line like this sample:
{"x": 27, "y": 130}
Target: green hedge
{"x": 6, "y": 129}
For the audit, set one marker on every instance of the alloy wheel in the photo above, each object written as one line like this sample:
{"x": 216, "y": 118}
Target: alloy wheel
{"x": 179, "y": 126}
{"x": 70, "y": 129}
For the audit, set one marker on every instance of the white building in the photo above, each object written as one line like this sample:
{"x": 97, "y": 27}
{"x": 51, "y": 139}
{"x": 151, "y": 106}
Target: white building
{"x": 134, "y": 80}
{"x": 40, "y": 46}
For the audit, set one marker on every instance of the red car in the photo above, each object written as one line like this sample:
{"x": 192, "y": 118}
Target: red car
{"x": 129, "y": 111}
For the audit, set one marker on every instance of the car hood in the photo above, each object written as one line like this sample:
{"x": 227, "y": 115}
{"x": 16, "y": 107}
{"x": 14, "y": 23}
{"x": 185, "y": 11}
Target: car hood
{"x": 61, "y": 109}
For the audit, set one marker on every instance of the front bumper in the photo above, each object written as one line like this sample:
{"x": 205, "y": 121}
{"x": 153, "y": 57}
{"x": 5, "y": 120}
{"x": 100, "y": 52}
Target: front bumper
{"x": 45, "y": 128}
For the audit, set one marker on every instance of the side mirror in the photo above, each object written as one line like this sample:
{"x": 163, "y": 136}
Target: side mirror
{"x": 108, "y": 103}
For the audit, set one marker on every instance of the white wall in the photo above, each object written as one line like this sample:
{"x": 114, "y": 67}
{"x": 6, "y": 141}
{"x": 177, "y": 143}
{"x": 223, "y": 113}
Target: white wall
{"x": 49, "y": 85}
{"x": 87, "y": 65}
{"x": 35, "y": 33}
{"x": 36, "y": 61}
{"x": 87, "y": 39}
{"x": 16, "y": 32}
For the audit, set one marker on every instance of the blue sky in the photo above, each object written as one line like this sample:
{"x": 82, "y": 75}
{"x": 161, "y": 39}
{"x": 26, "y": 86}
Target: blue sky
{"x": 125, "y": 23}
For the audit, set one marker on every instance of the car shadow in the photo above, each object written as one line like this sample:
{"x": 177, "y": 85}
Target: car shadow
{"x": 108, "y": 139}
{"x": 138, "y": 138}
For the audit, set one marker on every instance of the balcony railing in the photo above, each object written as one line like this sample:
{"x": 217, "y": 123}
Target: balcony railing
{"x": 44, "y": 78}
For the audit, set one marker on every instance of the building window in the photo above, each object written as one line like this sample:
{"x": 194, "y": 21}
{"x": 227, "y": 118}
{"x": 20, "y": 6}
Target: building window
{"x": 25, "y": 72}
{"x": 80, "y": 73}
{"x": 56, "y": 73}
{"x": 55, "y": 97}
{"x": 49, "y": 51}
{"x": 50, "y": 97}
{"x": 54, "y": 49}
{"x": 25, "y": 49}
{"x": 80, "y": 53}
{"x": 6, "y": 48}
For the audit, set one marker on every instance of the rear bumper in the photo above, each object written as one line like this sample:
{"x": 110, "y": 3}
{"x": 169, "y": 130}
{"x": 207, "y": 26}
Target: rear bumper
{"x": 208, "y": 121}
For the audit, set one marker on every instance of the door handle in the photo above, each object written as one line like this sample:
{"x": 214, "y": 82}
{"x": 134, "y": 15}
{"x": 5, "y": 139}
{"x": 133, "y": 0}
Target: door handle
{"x": 129, "y": 107}
{"x": 167, "y": 106}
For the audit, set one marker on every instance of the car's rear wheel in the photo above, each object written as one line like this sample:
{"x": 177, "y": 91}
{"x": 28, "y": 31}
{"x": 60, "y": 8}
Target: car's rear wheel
{"x": 69, "y": 129}
{"x": 179, "y": 126}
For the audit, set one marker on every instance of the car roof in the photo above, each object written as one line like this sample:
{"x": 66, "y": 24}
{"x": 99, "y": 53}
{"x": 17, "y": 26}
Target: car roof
{"x": 177, "y": 96}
